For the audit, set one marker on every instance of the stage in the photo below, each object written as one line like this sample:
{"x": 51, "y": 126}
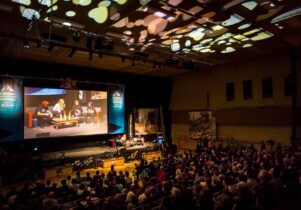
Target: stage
{"x": 88, "y": 151}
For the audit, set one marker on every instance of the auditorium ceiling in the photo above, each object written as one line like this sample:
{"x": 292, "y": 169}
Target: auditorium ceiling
{"x": 157, "y": 38}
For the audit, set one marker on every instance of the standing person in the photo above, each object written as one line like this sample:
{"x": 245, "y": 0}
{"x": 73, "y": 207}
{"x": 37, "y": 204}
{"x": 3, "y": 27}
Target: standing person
{"x": 43, "y": 114}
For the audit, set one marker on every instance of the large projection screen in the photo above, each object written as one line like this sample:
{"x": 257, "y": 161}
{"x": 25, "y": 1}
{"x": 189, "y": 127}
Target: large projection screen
{"x": 52, "y": 112}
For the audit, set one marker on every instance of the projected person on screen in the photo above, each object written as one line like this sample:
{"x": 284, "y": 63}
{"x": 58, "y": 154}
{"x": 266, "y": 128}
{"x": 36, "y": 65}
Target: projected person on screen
{"x": 43, "y": 114}
{"x": 91, "y": 112}
{"x": 77, "y": 109}
{"x": 59, "y": 108}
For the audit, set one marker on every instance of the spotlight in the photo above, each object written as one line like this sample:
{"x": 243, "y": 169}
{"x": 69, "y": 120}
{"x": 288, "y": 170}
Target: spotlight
{"x": 72, "y": 52}
{"x": 25, "y": 43}
{"x": 76, "y": 36}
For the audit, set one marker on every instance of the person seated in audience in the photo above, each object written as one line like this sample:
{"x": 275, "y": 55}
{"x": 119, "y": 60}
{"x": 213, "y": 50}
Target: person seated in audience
{"x": 43, "y": 114}
{"x": 226, "y": 178}
{"x": 59, "y": 108}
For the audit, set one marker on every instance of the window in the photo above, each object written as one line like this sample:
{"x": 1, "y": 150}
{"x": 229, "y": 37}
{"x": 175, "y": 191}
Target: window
{"x": 247, "y": 89}
{"x": 267, "y": 87}
{"x": 230, "y": 92}
{"x": 288, "y": 85}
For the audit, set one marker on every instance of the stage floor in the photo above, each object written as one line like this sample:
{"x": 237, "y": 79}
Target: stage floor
{"x": 82, "y": 152}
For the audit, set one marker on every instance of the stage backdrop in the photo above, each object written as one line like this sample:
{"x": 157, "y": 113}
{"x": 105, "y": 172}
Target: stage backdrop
{"x": 11, "y": 109}
{"x": 116, "y": 109}
{"x": 202, "y": 125}
{"x": 146, "y": 121}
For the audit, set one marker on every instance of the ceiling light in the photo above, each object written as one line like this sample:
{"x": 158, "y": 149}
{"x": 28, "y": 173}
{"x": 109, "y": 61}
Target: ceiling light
{"x": 29, "y": 13}
{"x": 247, "y": 45}
{"x": 120, "y": 1}
{"x": 67, "y": 24}
{"x": 24, "y": 2}
{"x": 228, "y": 50}
{"x": 250, "y": 5}
{"x": 244, "y": 26}
{"x": 175, "y": 47}
{"x": 287, "y": 15}
{"x": 70, "y": 13}
{"x": 82, "y": 2}
{"x": 104, "y": 4}
{"x": 99, "y": 14}
{"x": 234, "y": 19}
{"x": 187, "y": 43}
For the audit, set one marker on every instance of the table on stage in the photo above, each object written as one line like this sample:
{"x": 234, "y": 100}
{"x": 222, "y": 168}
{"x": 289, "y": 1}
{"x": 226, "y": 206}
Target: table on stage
{"x": 113, "y": 161}
{"x": 151, "y": 156}
{"x": 60, "y": 122}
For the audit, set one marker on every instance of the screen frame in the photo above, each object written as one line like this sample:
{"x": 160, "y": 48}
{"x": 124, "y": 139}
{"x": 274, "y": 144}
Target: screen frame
{"x": 64, "y": 137}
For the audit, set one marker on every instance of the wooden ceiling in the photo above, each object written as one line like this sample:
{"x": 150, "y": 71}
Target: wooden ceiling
{"x": 175, "y": 35}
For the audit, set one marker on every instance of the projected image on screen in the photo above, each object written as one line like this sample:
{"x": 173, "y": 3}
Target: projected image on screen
{"x": 58, "y": 112}
{"x": 146, "y": 121}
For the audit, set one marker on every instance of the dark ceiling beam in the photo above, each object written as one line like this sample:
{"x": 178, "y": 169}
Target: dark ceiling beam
{"x": 78, "y": 48}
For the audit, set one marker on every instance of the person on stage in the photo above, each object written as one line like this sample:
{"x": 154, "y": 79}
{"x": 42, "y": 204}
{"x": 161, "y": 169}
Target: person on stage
{"x": 59, "y": 108}
{"x": 77, "y": 109}
{"x": 43, "y": 114}
{"x": 91, "y": 112}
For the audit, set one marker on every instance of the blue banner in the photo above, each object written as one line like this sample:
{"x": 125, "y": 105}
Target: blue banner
{"x": 116, "y": 109}
{"x": 11, "y": 109}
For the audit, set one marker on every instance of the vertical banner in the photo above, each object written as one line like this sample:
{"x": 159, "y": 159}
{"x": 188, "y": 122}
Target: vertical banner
{"x": 11, "y": 109}
{"x": 116, "y": 109}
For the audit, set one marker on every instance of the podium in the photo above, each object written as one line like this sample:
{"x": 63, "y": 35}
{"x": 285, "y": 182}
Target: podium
{"x": 113, "y": 161}
{"x": 151, "y": 156}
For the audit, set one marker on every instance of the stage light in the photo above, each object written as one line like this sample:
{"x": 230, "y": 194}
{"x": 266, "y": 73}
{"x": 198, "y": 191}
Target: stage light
{"x": 90, "y": 55}
{"x": 25, "y": 44}
{"x": 76, "y": 36}
{"x": 72, "y": 52}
